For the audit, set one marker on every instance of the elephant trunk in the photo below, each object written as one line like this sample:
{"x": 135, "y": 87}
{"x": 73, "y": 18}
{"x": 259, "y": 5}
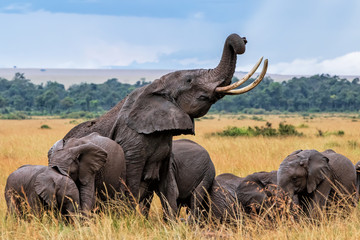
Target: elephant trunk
{"x": 87, "y": 196}
{"x": 234, "y": 45}
{"x": 223, "y": 73}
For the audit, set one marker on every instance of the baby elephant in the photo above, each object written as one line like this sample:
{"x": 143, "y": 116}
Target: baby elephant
{"x": 313, "y": 178}
{"x": 40, "y": 187}
{"x": 189, "y": 176}
{"x": 230, "y": 195}
{"x": 95, "y": 163}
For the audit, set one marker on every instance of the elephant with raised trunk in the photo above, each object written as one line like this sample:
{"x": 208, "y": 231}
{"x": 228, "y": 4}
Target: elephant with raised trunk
{"x": 41, "y": 187}
{"x": 145, "y": 121}
{"x": 314, "y": 179}
{"x": 189, "y": 177}
{"x": 95, "y": 163}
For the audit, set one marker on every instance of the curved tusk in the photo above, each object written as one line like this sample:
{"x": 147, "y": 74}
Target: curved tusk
{"x": 252, "y": 85}
{"x": 241, "y": 81}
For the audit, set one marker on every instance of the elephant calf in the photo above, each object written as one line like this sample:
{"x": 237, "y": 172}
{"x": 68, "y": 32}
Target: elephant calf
{"x": 38, "y": 186}
{"x": 230, "y": 195}
{"x": 189, "y": 176}
{"x": 95, "y": 163}
{"x": 313, "y": 178}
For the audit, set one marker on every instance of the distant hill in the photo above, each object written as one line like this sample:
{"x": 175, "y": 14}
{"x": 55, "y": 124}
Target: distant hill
{"x": 131, "y": 76}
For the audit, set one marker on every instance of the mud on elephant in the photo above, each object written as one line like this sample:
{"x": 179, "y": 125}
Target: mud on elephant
{"x": 145, "y": 121}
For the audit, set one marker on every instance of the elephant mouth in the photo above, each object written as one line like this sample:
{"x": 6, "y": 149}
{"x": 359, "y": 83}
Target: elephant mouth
{"x": 230, "y": 89}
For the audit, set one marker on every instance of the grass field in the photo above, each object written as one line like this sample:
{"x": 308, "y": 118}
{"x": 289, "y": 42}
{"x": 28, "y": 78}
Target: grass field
{"x": 24, "y": 142}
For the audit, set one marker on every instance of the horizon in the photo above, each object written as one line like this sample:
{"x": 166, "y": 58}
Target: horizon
{"x": 68, "y": 77}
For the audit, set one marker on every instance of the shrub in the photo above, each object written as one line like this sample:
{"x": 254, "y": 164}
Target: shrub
{"x": 353, "y": 144}
{"x": 267, "y": 131}
{"x": 320, "y": 133}
{"x": 44, "y": 126}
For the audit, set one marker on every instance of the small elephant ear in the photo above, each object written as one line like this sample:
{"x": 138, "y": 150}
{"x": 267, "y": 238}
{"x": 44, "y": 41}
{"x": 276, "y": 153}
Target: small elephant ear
{"x": 318, "y": 170}
{"x": 295, "y": 152}
{"x": 45, "y": 188}
{"x": 92, "y": 158}
{"x": 57, "y": 146}
{"x": 151, "y": 110}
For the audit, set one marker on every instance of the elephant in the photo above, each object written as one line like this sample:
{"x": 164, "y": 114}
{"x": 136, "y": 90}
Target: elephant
{"x": 189, "y": 177}
{"x": 230, "y": 195}
{"x": 95, "y": 163}
{"x": 146, "y": 120}
{"x": 41, "y": 187}
{"x": 315, "y": 179}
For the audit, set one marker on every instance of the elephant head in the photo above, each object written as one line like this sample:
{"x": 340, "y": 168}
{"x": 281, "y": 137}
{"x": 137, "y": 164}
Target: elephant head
{"x": 174, "y": 100}
{"x": 82, "y": 160}
{"x": 57, "y": 190}
{"x": 301, "y": 173}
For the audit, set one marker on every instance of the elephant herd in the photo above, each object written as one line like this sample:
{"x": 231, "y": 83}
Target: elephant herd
{"x": 129, "y": 154}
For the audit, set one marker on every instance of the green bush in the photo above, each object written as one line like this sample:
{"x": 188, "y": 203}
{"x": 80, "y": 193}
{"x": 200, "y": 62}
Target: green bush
{"x": 267, "y": 131}
{"x": 44, "y": 126}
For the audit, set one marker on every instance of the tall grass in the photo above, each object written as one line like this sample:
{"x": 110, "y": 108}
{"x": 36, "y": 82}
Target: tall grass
{"x": 24, "y": 142}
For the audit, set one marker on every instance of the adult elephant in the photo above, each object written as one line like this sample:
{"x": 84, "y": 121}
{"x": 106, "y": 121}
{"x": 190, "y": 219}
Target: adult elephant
{"x": 145, "y": 121}
{"x": 313, "y": 178}
{"x": 40, "y": 186}
{"x": 189, "y": 177}
{"x": 95, "y": 163}
{"x": 231, "y": 195}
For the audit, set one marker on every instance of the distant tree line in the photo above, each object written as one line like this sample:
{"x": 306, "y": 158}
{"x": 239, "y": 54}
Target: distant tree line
{"x": 318, "y": 93}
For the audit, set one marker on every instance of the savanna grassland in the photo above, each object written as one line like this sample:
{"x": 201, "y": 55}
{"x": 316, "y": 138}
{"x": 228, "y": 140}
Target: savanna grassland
{"x": 25, "y": 142}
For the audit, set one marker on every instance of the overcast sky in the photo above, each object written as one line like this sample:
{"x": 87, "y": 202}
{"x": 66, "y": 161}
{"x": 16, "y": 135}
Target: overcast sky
{"x": 298, "y": 37}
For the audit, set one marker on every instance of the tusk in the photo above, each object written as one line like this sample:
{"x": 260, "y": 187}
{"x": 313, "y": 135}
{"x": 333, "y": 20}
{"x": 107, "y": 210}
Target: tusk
{"x": 241, "y": 81}
{"x": 252, "y": 85}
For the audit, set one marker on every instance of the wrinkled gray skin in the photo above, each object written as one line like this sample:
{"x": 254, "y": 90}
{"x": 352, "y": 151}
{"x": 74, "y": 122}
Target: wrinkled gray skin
{"x": 95, "y": 163}
{"x": 230, "y": 194}
{"x": 145, "y": 121}
{"x": 42, "y": 186}
{"x": 189, "y": 177}
{"x": 311, "y": 177}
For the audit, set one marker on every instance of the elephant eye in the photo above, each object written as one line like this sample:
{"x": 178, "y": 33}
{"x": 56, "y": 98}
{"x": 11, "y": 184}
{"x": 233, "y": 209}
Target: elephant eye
{"x": 189, "y": 80}
{"x": 294, "y": 179}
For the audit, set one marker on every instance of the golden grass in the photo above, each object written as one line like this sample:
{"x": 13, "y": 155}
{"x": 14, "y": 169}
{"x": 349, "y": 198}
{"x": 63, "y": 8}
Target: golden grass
{"x": 23, "y": 142}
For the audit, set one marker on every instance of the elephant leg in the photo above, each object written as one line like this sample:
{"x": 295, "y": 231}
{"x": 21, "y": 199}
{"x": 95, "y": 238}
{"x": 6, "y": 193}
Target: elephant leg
{"x": 169, "y": 194}
{"x": 134, "y": 171}
{"x": 197, "y": 200}
{"x": 146, "y": 199}
{"x": 145, "y": 204}
{"x": 320, "y": 198}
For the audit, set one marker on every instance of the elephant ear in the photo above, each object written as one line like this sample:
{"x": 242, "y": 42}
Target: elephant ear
{"x": 45, "y": 187}
{"x": 152, "y": 110}
{"x": 91, "y": 159}
{"x": 318, "y": 170}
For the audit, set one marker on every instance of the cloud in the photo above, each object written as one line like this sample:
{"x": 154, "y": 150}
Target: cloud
{"x": 17, "y": 7}
{"x": 123, "y": 54}
{"x": 348, "y": 64}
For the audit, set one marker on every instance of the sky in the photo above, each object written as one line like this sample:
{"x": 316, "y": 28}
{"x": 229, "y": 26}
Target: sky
{"x": 298, "y": 37}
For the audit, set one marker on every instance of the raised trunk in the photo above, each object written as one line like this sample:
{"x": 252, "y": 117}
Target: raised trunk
{"x": 224, "y": 72}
